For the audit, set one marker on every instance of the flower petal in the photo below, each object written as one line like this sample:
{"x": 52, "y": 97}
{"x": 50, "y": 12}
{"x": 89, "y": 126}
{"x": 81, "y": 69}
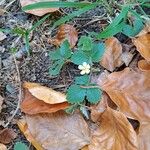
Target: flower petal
{"x": 87, "y": 71}
{"x": 80, "y": 67}
{"x": 88, "y": 66}
{"x": 82, "y": 72}
{"x": 84, "y": 64}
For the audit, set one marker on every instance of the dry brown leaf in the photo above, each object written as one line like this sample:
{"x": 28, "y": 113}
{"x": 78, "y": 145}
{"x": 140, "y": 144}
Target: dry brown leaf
{"x": 3, "y": 147}
{"x": 2, "y": 36}
{"x": 144, "y": 65}
{"x": 142, "y": 44}
{"x": 114, "y": 133}
{"x": 68, "y": 32}
{"x": 1, "y": 102}
{"x": 59, "y": 131}
{"x": 7, "y": 135}
{"x": 32, "y": 105}
{"x": 144, "y": 136}
{"x": 112, "y": 56}
{"x": 24, "y": 129}
{"x": 37, "y": 12}
{"x": 130, "y": 91}
{"x": 45, "y": 94}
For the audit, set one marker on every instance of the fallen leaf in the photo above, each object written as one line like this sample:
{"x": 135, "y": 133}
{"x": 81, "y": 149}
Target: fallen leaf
{"x": 142, "y": 44}
{"x": 1, "y": 102}
{"x": 97, "y": 110}
{"x": 130, "y": 91}
{"x": 2, "y": 36}
{"x": 7, "y": 135}
{"x": 144, "y": 65}
{"x": 144, "y": 136}
{"x": 2, "y": 11}
{"x": 112, "y": 56}
{"x": 114, "y": 133}
{"x": 3, "y": 147}
{"x": 59, "y": 131}
{"x": 32, "y": 105}
{"x": 45, "y": 94}
{"x": 37, "y": 12}
{"x": 24, "y": 129}
{"x": 126, "y": 57}
{"x": 68, "y": 32}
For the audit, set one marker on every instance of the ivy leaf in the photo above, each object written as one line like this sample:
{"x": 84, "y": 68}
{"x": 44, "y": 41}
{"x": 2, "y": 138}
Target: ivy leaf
{"x": 82, "y": 80}
{"x": 79, "y": 57}
{"x": 85, "y": 43}
{"x": 55, "y": 55}
{"x": 97, "y": 52}
{"x": 20, "y": 146}
{"x": 133, "y": 30}
{"x": 76, "y": 94}
{"x": 93, "y": 95}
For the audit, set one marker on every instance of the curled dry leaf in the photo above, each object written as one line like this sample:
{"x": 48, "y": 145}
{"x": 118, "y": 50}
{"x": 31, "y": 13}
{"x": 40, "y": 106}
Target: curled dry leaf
{"x": 31, "y": 105}
{"x": 7, "y": 135}
{"x": 130, "y": 91}
{"x": 37, "y": 12}
{"x": 142, "y": 44}
{"x": 3, "y": 147}
{"x": 24, "y": 129}
{"x": 45, "y": 94}
{"x": 112, "y": 56}
{"x": 114, "y": 133}
{"x": 68, "y": 32}
{"x": 144, "y": 65}
{"x": 59, "y": 131}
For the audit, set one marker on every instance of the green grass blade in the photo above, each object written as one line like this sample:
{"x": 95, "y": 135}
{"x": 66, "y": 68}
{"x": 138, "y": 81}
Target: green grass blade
{"x": 55, "y": 4}
{"x": 38, "y": 23}
{"x": 74, "y": 14}
{"x": 5, "y": 30}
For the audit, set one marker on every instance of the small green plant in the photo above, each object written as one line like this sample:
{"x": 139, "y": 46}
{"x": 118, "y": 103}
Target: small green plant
{"x": 87, "y": 53}
{"x": 20, "y": 146}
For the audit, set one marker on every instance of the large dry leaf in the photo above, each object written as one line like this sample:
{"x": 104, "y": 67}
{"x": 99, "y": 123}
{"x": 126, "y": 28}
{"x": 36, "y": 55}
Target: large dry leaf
{"x": 24, "y": 129}
{"x": 142, "y": 44}
{"x": 38, "y": 12}
{"x": 3, "y": 147}
{"x": 45, "y": 94}
{"x": 59, "y": 131}
{"x": 144, "y": 65}
{"x": 32, "y": 105}
{"x": 68, "y": 32}
{"x": 130, "y": 91}
{"x": 112, "y": 56}
{"x": 7, "y": 135}
{"x": 114, "y": 133}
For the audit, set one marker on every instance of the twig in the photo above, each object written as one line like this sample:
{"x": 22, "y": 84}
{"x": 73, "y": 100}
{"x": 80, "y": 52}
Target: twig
{"x": 19, "y": 95}
{"x": 89, "y": 87}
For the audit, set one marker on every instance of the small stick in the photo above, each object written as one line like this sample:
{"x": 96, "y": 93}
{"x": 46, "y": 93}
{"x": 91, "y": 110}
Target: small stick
{"x": 19, "y": 96}
{"x": 89, "y": 87}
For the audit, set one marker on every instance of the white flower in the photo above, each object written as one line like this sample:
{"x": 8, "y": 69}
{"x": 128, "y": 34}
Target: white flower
{"x": 85, "y": 68}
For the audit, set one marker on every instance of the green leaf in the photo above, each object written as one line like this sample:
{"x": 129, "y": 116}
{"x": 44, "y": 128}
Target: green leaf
{"x": 65, "y": 50}
{"x": 55, "y": 55}
{"x": 76, "y": 94}
{"x": 55, "y": 4}
{"x": 85, "y": 43}
{"x": 20, "y": 146}
{"x": 97, "y": 52}
{"x": 132, "y": 31}
{"x": 79, "y": 57}
{"x": 56, "y": 67}
{"x": 74, "y": 14}
{"x": 72, "y": 108}
{"x": 82, "y": 80}
{"x": 93, "y": 95}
